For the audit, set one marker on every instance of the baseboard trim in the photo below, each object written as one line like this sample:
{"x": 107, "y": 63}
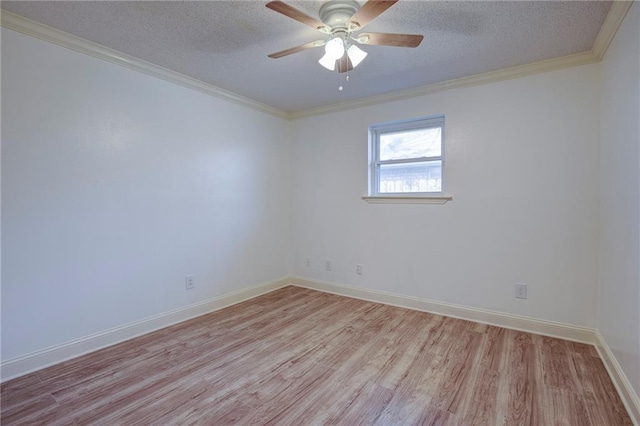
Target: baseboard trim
{"x": 34, "y": 361}
{"x": 514, "y": 322}
{"x": 548, "y": 328}
{"x": 25, "y": 364}
{"x": 619, "y": 378}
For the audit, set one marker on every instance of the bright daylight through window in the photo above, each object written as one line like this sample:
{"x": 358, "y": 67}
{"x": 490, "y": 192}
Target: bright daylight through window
{"x": 407, "y": 157}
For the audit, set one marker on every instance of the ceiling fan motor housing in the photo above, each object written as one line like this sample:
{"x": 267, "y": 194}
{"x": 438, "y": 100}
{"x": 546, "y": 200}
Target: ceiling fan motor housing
{"x": 336, "y": 14}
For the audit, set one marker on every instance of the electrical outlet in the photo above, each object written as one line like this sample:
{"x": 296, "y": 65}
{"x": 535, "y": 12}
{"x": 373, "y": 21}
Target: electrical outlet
{"x": 308, "y": 261}
{"x": 190, "y": 282}
{"x": 359, "y": 269}
{"x": 521, "y": 291}
{"x": 328, "y": 265}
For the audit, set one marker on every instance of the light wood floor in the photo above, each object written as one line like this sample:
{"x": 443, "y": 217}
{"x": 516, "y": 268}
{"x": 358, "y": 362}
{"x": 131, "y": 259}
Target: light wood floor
{"x": 296, "y": 356}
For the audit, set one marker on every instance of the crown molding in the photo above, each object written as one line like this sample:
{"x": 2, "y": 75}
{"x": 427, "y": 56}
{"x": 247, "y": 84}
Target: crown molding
{"x": 576, "y": 59}
{"x": 610, "y": 27}
{"x": 26, "y": 26}
{"x": 608, "y": 30}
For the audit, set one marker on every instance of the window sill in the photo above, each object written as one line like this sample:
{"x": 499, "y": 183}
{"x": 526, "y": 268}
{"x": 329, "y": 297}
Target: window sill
{"x": 403, "y": 199}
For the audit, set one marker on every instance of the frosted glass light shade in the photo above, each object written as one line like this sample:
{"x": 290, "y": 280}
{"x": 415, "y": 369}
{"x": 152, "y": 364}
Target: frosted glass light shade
{"x": 334, "y": 48}
{"x": 356, "y": 55}
{"x": 328, "y": 62}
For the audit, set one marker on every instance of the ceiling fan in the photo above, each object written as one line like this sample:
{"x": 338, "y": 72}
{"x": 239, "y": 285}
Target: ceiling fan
{"x": 340, "y": 20}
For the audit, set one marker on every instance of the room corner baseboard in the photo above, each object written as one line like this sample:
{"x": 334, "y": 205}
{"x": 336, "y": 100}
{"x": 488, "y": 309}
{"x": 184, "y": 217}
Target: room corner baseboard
{"x": 618, "y": 377}
{"x": 548, "y": 328}
{"x": 34, "y": 361}
{"x": 514, "y": 322}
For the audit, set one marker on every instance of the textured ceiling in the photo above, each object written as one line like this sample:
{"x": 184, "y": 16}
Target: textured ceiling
{"x": 225, "y": 43}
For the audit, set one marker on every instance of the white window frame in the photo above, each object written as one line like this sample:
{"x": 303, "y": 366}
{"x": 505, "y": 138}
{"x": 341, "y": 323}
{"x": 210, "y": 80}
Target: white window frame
{"x": 375, "y": 131}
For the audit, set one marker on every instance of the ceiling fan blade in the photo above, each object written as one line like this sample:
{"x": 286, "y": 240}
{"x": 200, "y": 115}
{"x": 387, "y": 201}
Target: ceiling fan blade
{"x": 386, "y": 39}
{"x": 297, "y": 49}
{"x": 367, "y": 13}
{"x": 294, "y": 13}
{"x": 344, "y": 64}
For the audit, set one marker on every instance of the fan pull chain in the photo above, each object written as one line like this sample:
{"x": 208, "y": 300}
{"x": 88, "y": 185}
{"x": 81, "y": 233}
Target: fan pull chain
{"x": 346, "y": 79}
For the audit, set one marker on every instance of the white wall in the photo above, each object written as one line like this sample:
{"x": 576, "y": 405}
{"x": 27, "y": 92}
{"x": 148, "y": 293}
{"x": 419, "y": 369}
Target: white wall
{"x": 619, "y": 283}
{"x": 522, "y": 167}
{"x": 116, "y": 185}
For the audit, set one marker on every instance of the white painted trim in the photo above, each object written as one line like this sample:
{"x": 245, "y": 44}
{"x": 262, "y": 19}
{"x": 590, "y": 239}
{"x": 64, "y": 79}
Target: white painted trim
{"x": 582, "y": 58}
{"x": 605, "y": 35}
{"x": 610, "y": 27}
{"x": 393, "y": 199}
{"x": 608, "y": 30}
{"x": 548, "y": 328}
{"x": 37, "y": 360}
{"x": 619, "y": 378}
{"x": 484, "y": 316}
{"x": 44, "y": 32}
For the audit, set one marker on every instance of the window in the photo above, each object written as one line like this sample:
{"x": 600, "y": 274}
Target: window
{"x": 407, "y": 158}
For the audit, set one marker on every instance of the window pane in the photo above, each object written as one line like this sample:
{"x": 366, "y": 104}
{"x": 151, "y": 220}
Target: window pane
{"x": 411, "y": 177}
{"x": 411, "y": 144}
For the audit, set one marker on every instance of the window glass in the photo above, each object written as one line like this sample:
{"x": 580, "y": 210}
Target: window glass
{"x": 410, "y": 144}
{"x": 407, "y": 157}
{"x": 411, "y": 177}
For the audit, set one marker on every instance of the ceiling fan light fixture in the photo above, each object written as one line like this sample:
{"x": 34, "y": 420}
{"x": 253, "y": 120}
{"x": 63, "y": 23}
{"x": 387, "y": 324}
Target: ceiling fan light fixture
{"x": 328, "y": 62}
{"x": 356, "y": 54}
{"x": 334, "y": 48}
{"x": 339, "y": 19}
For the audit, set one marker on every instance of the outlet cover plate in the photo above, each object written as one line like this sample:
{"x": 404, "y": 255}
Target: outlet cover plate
{"x": 521, "y": 291}
{"x": 190, "y": 282}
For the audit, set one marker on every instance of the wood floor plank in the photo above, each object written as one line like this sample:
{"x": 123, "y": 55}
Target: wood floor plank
{"x": 109, "y": 410}
{"x": 21, "y": 390}
{"x": 458, "y": 377}
{"x": 81, "y": 369}
{"x": 30, "y": 412}
{"x": 413, "y": 342}
{"x": 581, "y": 348}
{"x": 166, "y": 405}
{"x": 520, "y": 394}
{"x": 483, "y": 399}
{"x": 110, "y": 381}
{"x": 296, "y": 404}
{"x": 225, "y": 412}
{"x": 410, "y": 400}
{"x": 301, "y": 357}
{"x": 564, "y": 407}
{"x": 361, "y": 407}
{"x": 601, "y": 399}
{"x": 555, "y": 364}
